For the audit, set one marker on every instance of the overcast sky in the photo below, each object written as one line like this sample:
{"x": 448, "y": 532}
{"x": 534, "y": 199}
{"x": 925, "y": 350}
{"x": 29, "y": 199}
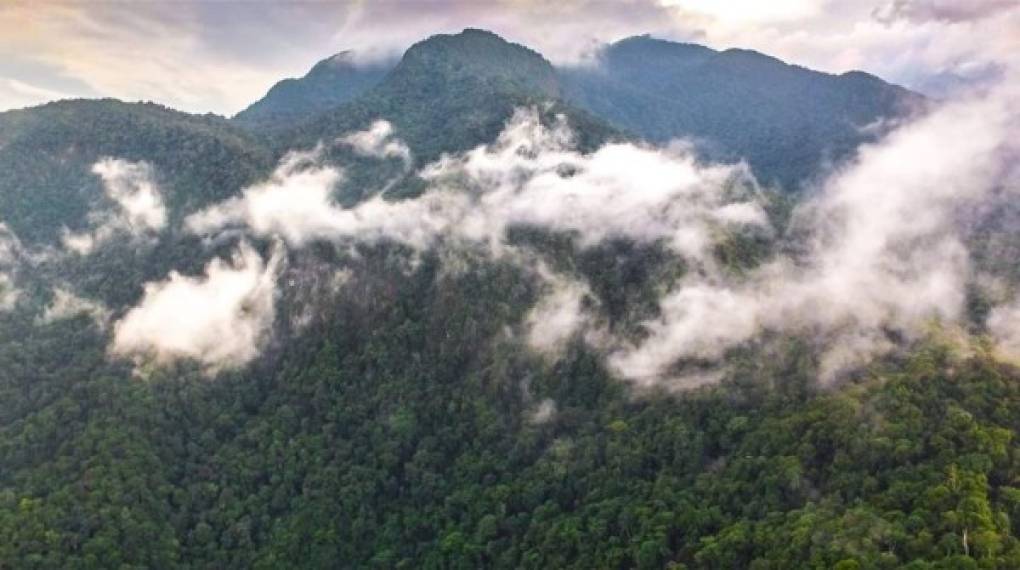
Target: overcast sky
{"x": 218, "y": 55}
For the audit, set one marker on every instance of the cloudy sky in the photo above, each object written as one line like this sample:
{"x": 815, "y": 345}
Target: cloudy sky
{"x": 219, "y": 55}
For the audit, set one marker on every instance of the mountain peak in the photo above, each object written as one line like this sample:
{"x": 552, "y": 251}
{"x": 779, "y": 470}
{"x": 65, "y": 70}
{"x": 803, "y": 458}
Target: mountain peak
{"x": 341, "y": 60}
{"x": 648, "y": 41}
{"x": 645, "y": 50}
{"x": 331, "y": 82}
{"x": 786, "y": 121}
{"x": 479, "y": 55}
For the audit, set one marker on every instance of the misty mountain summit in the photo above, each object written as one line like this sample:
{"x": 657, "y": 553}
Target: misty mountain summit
{"x": 785, "y": 120}
{"x": 444, "y": 62}
{"x": 450, "y": 93}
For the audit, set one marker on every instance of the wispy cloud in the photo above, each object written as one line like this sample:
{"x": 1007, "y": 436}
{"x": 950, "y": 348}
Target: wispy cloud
{"x": 195, "y": 56}
{"x": 10, "y": 251}
{"x": 559, "y": 314}
{"x": 8, "y": 292}
{"x": 885, "y": 253}
{"x": 220, "y": 319}
{"x": 378, "y": 142}
{"x": 67, "y": 304}
{"x": 138, "y": 209}
{"x": 880, "y": 245}
{"x": 942, "y": 10}
{"x": 530, "y": 176}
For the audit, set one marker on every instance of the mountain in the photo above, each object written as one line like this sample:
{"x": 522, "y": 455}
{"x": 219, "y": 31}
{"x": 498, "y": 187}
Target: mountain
{"x": 444, "y": 63}
{"x": 785, "y": 120}
{"x": 447, "y": 93}
{"x": 331, "y": 82}
{"x": 450, "y": 93}
{"x": 789, "y": 123}
{"x": 47, "y": 152}
{"x": 391, "y": 397}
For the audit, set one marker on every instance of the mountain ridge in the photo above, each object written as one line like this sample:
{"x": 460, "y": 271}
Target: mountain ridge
{"x": 450, "y": 93}
{"x": 788, "y": 121}
{"x": 455, "y": 91}
{"x": 329, "y": 83}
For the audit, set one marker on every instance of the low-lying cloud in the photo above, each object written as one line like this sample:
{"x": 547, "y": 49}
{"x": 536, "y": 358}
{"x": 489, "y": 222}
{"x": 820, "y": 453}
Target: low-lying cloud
{"x": 874, "y": 256}
{"x": 377, "y": 142}
{"x": 1004, "y": 328}
{"x": 8, "y": 292}
{"x": 559, "y": 314}
{"x": 531, "y": 175}
{"x": 884, "y": 258}
{"x": 138, "y": 209}
{"x": 10, "y": 250}
{"x": 67, "y": 304}
{"x": 220, "y": 319}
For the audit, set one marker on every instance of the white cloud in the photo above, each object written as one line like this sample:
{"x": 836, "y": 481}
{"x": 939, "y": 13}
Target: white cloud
{"x": 10, "y": 251}
{"x": 297, "y": 204}
{"x": 531, "y": 175}
{"x": 81, "y": 243}
{"x": 884, "y": 254}
{"x": 942, "y": 10}
{"x": 748, "y": 11}
{"x": 139, "y": 209}
{"x": 559, "y": 314}
{"x": 66, "y": 304}
{"x": 220, "y": 319}
{"x": 10, "y": 245}
{"x": 544, "y": 412}
{"x": 377, "y": 141}
{"x": 8, "y": 292}
{"x": 879, "y": 252}
{"x": 130, "y": 185}
{"x": 1004, "y": 327}
{"x": 698, "y": 321}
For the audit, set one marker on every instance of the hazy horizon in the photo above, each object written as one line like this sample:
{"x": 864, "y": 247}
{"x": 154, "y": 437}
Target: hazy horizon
{"x": 221, "y": 56}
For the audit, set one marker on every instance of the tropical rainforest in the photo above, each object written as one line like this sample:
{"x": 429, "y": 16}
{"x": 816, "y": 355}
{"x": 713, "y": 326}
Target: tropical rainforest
{"x": 465, "y": 309}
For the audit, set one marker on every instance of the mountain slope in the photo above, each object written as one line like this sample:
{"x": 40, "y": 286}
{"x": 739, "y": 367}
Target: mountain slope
{"x": 785, "y": 120}
{"x": 788, "y": 122}
{"x": 448, "y": 93}
{"x": 398, "y": 415}
{"x": 47, "y": 154}
{"x": 331, "y": 82}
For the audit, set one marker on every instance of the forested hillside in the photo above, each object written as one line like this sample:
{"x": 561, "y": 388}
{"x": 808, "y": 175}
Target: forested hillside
{"x": 785, "y": 120}
{"x": 449, "y": 93}
{"x": 330, "y": 83}
{"x": 47, "y": 152}
{"x": 468, "y": 313}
